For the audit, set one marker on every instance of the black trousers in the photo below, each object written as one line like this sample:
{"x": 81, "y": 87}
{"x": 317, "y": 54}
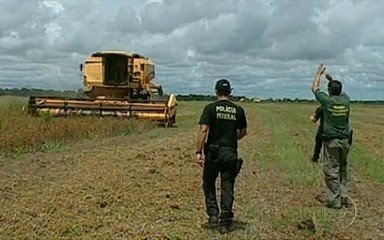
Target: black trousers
{"x": 318, "y": 145}
{"x": 226, "y": 166}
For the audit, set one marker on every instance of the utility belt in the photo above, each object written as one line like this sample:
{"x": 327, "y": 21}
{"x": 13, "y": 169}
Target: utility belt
{"x": 217, "y": 153}
{"x": 327, "y": 138}
{"x": 341, "y": 137}
{"x": 212, "y": 150}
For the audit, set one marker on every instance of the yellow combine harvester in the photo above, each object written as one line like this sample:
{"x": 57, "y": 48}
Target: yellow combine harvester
{"x": 116, "y": 84}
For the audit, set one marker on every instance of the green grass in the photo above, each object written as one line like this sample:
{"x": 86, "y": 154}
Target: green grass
{"x": 147, "y": 186}
{"x": 367, "y": 153}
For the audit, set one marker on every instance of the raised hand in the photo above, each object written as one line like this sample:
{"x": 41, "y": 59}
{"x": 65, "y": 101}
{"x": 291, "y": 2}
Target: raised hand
{"x": 321, "y": 68}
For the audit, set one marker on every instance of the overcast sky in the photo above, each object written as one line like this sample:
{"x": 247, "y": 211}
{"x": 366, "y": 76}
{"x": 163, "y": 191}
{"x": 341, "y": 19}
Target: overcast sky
{"x": 265, "y": 48}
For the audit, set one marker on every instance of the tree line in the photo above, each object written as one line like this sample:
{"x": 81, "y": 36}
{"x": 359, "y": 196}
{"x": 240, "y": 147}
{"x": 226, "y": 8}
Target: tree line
{"x": 26, "y": 92}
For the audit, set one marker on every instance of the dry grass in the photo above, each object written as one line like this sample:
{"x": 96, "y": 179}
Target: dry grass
{"x": 147, "y": 186}
{"x": 20, "y": 132}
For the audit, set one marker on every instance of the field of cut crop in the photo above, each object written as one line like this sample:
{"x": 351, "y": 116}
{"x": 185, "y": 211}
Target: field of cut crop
{"x": 143, "y": 183}
{"x": 20, "y": 133}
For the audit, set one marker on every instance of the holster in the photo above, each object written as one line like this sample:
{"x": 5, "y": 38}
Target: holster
{"x": 239, "y": 164}
{"x": 350, "y": 137}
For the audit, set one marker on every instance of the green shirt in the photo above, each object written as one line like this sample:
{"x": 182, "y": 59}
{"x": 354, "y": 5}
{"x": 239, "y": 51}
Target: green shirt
{"x": 224, "y": 118}
{"x": 336, "y": 114}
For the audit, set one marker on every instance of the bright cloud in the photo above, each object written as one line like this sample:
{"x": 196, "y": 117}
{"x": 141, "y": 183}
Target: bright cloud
{"x": 266, "y": 48}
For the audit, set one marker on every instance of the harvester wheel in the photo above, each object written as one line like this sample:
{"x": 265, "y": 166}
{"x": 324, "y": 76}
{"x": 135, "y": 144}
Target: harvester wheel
{"x": 171, "y": 121}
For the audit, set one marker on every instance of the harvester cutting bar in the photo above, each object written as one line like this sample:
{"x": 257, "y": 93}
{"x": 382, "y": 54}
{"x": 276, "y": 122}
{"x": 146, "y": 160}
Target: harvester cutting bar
{"x": 158, "y": 110}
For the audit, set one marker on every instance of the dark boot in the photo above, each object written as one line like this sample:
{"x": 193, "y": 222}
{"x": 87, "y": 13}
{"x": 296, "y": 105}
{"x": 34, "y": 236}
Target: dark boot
{"x": 345, "y": 202}
{"x": 332, "y": 205}
{"x": 226, "y": 226}
{"x": 212, "y": 223}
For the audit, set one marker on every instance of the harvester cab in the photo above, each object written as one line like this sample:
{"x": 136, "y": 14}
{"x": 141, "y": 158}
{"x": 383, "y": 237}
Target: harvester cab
{"x": 116, "y": 83}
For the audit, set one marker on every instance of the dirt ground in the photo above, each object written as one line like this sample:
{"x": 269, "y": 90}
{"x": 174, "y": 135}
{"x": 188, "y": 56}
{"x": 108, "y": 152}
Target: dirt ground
{"x": 148, "y": 186}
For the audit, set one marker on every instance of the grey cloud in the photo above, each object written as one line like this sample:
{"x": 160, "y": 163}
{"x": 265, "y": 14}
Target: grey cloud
{"x": 126, "y": 20}
{"x": 14, "y": 14}
{"x": 266, "y": 48}
{"x": 170, "y": 15}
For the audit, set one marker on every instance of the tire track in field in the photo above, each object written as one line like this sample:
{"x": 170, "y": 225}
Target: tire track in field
{"x": 254, "y": 203}
{"x": 267, "y": 192}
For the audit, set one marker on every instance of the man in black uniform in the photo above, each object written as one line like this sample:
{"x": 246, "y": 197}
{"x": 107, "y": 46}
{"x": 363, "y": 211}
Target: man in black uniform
{"x": 318, "y": 116}
{"x": 224, "y": 123}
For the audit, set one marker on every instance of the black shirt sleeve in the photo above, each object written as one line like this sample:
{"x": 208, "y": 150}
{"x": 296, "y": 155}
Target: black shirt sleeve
{"x": 319, "y": 112}
{"x": 206, "y": 116}
{"x": 241, "y": 122}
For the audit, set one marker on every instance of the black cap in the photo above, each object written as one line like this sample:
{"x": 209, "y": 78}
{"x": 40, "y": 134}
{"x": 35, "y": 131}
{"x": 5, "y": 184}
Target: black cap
{"x": 223, "y": 85}
{"x": 329, "y": 77}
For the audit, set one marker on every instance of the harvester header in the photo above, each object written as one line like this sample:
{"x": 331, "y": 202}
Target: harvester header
{"x": 116, "y": 83}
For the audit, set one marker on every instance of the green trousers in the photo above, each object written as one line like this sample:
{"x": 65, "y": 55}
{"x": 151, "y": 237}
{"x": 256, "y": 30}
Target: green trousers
{"x": 336, "y": 169}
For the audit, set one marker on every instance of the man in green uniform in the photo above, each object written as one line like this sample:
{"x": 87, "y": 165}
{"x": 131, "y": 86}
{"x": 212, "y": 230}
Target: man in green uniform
{"x": 336, "y": 109}
{"x": 222, "y": 123}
